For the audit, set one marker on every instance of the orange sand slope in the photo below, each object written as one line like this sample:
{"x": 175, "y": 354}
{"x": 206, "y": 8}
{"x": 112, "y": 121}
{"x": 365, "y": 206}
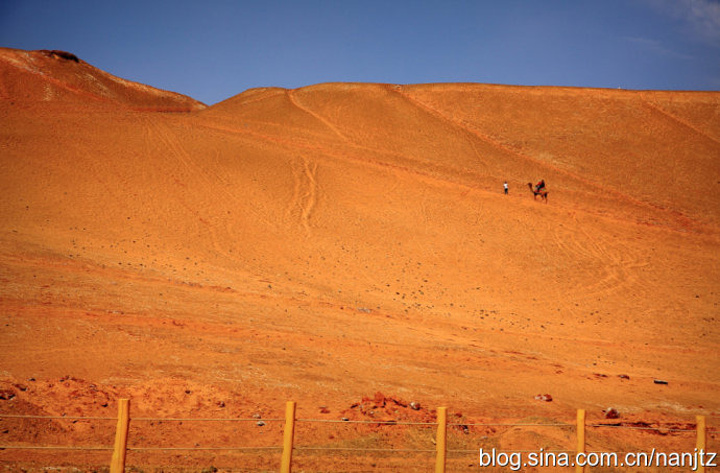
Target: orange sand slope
{"x": 325, "y": 243}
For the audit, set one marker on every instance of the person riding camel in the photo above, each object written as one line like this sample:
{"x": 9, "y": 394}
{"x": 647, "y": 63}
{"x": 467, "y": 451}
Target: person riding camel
{"x": 540, "y": 185}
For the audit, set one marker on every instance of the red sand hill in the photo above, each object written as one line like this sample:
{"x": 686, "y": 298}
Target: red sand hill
{"x": 61, "y": 77}
{"x": 326, "y": 243}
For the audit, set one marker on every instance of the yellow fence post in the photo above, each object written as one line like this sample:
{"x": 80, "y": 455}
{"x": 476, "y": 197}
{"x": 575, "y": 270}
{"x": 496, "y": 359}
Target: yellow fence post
{"x": 700, "y": 425}
{"x": 580, "y": 438}
{"x": 441, "y": 440}
{"x": 117, "y": 464}
{"x": 285, "y": 464}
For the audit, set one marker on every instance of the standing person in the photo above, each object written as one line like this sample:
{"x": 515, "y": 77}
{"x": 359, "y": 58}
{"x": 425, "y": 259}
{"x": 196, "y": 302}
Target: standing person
{"x": 505, "y": 186}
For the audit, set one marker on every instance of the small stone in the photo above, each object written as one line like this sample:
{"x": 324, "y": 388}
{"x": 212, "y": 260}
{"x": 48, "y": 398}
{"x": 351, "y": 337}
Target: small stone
{"x": 260, "y": 423}
{"x": 544, "y": 397}
{"x": 415, "y": 406}
{"x": 611, "y": 413}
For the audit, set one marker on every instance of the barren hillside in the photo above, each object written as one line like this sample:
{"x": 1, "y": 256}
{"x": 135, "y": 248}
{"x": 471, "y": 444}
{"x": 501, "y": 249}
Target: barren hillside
{"x": 326, "y": 243}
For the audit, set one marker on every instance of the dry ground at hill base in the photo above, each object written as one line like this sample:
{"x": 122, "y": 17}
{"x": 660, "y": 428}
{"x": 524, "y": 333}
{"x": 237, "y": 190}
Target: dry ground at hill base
{"x": 350, "y": 247}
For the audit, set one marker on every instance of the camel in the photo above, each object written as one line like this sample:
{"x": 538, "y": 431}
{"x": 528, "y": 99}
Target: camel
{"x": 542, "y": 192}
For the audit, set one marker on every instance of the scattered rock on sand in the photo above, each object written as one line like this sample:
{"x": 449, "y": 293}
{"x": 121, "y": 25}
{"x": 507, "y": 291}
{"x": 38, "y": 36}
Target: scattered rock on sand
{"x": 611, "y": 413}
{"x": 544, "y": 397}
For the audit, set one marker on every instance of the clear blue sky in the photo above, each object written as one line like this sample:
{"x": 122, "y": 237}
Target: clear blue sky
{"x": 212, "y": 50}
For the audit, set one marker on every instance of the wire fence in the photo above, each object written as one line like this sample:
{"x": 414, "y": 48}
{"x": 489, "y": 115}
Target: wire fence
{"x": 285, "y": 448}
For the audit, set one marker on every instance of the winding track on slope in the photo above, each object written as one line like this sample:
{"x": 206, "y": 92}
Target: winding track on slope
{"x": 600, "y": 189}
{"x": 293, "y": 99}
{"x": 677, "y": 119}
